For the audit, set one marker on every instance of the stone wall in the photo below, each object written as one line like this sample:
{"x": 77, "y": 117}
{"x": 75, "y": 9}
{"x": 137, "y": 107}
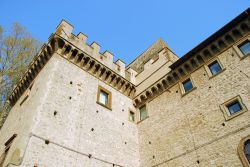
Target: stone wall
{"x": 191, "y": 130}
{"x": 61, "y": 109}
{"x": 58, "y": 121}
{"x": 77, "y": 127}
{"x": 23, "y": 115}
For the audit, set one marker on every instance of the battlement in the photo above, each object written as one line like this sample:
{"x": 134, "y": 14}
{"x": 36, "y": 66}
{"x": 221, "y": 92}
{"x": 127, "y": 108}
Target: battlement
{"x": 75, "y": 105}
{"x": 75, "y": 49}
{"x": 64, "y": 30}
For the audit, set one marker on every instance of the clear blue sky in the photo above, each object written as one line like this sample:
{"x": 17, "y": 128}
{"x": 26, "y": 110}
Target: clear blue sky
{"x": 128, "y": 27}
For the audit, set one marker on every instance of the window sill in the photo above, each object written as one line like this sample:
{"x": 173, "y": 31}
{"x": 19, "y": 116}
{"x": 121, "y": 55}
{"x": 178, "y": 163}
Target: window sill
{"x": 104, "y": 105}
{"x": 132, "y": 121}
{"x": 191, "y": 90}
{"x": 229, "y": 117}
{"x": 212, "y": 76}
{"x": 244, "y": 56}
{"x": 142, "y": 120}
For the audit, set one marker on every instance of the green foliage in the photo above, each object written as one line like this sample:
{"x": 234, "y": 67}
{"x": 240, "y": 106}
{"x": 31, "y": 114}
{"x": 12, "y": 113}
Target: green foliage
{"x": 17, "y": 49}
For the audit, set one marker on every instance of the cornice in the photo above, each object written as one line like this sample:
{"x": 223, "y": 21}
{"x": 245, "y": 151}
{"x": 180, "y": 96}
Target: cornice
{"x": 68, "y": 50}
{"x": 216, "y": 47}
{"x": 57, "y": 44}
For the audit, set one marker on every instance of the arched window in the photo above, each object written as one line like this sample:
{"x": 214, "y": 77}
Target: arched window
{"x": 244, "y": 151}
{"x": 247, "y": 150}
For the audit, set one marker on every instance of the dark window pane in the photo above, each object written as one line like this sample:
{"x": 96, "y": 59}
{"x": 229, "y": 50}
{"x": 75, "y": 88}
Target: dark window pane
{"x": 245, "y": 48}
{"x": 187, "y": 85}
{"x": 234, "y": 107}
{"x": 247, "y": 150}
{"x": 143, "y": 113}
{"x": 215, "y": 67}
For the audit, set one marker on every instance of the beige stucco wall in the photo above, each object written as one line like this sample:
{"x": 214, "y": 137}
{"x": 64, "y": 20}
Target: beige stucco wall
{"x": 114, "y": 139}
{"x": 184, "y": 129}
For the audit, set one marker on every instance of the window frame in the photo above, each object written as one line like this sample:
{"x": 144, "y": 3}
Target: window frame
{"x": 208, "y": 70}
{"x": 241, "y": 151}
{"x": 226, "y": 112}
{"x": 183, "y": 92}
{"x": 109, "y": 104}
{"x": 243, "y": 43}
{"x": 130, "y": 111}
{"x": 237, "y": 47}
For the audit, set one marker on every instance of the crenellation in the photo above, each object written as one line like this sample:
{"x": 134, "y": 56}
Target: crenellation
{"x": 131, "y": 74}
{"x": 120, "y": 67}
{"x": 109, "y": 58}
{"x": 83, "y": 38}
{"x": 64, "y": 29}
{"x": 96, "y": 49}
{"x": 75, "y": 106}
{"x": 80, "y": 41}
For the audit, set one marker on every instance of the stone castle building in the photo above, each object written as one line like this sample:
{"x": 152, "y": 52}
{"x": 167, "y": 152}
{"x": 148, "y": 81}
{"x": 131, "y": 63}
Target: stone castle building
{"x": 75, "y": 107}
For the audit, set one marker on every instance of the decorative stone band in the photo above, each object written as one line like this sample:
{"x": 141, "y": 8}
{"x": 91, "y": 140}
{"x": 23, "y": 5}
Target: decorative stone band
{"x": 57, "y": 44}
{"x": 209, "y": 51}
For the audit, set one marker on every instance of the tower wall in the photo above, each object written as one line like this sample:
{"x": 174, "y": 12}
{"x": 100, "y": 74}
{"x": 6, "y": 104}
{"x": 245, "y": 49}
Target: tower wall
{"x": 23, "y": 117}
{"x": 81, "y": 132}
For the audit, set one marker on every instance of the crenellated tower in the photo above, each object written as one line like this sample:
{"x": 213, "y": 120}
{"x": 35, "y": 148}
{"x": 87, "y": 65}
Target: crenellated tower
{"x": 75, "y": 106}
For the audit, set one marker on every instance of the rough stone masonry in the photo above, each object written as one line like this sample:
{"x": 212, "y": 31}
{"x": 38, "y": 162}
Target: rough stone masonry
{"x": 76, "y": 107}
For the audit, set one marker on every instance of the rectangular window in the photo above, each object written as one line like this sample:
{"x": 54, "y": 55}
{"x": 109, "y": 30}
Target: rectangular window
{"x": 234, "y": 107}
{"x": 187, "y": 85}
{"x": 245, "y": 48}
{"x": 143, "y": 113}
{"x": 6, "y": 150}
{"x": 104, "y": 97}
{"x": 215, "y": 67}
{"x": 132, "y": 116}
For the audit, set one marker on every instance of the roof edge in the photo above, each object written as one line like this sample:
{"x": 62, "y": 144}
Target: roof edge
{"x": 211, "y": 38}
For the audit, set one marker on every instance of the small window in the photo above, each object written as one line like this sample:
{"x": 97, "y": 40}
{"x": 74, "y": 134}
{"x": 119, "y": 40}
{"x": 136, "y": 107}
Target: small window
{"x": 6, "y": 150}
{"x": 24, "y": 99}
{"x": 214, "y": 67}
{"x": 131, "y": 116}
{"x": 245, "y": 48}
{"x": 104, "y": 97}
{"x": 143, "y": 113}
{"x": 234, "y": 107}
{"x": 187, "y": 85}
